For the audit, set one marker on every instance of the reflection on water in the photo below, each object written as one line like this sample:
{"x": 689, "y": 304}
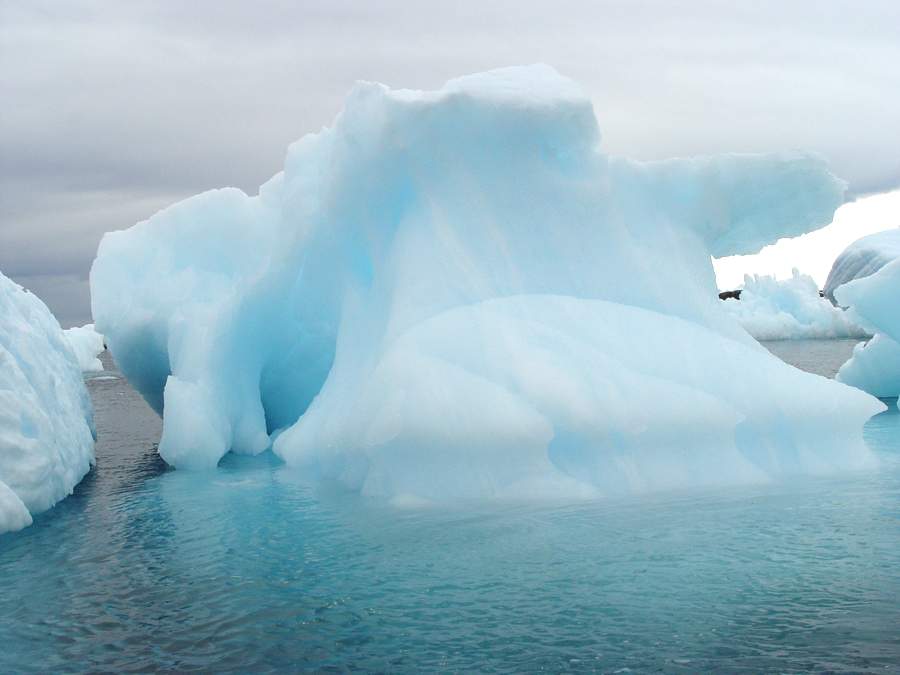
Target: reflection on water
{"x": 247, "y": 568}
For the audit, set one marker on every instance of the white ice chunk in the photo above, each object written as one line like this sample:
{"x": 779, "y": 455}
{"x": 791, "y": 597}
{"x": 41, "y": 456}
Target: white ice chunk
{"x": 789, "y": 309}
{"x": 46, "y": 428}
{"x": 874, "y": 367}
{"x": 457, "y": 294}
{"x": 87, "y": 344}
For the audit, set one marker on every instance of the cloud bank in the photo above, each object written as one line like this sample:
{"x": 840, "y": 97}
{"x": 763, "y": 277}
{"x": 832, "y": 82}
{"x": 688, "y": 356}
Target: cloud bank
{"x": 114, "y": 110}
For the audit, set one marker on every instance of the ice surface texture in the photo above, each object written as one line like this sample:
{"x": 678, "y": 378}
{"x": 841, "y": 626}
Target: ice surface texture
{"x": 46, "y": 427}
{"x": 457, "y": 294}
{"x": 790, "y": 309}
{"x": 863, "y": 258}
{"x": 873, "y": 266}
{"x": 87, "y": 344}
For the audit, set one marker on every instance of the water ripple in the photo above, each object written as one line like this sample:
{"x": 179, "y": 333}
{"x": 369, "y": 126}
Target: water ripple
{"x": 248, "y": 569}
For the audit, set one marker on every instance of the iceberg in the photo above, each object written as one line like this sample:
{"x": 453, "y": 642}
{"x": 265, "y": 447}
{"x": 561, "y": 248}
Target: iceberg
{"x": 87, "y": 344}
{"x": 864, "y": 278}
{"x": 863, "y": 258}
{"x": 456, "y": 294}
{"x": 871, "y": 299}
{"x": 789, "y": 309}
{"x": 46, "y": 422}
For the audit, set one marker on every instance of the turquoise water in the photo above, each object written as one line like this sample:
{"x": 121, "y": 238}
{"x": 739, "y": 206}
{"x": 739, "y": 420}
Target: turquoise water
{"x": 249, "y": 569}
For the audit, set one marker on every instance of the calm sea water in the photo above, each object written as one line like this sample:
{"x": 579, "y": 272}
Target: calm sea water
{"x": 248, "y": 569}
{"x": 822, "y": 357}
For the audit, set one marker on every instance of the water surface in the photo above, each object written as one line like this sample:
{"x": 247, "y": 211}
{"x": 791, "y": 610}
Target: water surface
{"x": 249, "y": 569}
{"x": 822, "y": 357}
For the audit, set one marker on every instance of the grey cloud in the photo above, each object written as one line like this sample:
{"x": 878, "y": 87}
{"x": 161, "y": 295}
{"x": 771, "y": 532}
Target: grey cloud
{"x": 67, "y": 296}
{"x": 58, "y": 232}
{"x": 111, "y": 109}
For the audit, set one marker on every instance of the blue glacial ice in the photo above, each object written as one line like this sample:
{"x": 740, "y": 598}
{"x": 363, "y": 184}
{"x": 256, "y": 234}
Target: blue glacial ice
{"x": 789, "y": 309}
{"x": 456, "y": 294}
{"x": 87, "y": 344}
{"x": 870, "y": 270}
{"x": 46, "y": 427}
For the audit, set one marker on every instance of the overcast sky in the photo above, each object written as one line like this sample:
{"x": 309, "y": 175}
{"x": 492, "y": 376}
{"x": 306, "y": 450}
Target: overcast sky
{"x": 112, "y": 110}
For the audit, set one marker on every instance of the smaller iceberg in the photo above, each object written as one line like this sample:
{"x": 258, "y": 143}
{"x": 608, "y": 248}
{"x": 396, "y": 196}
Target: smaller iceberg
{"x": 863, "y": 258}
{"x": 87, "y": 344}
{"x": 790, "y": 309}
{"x": 46, "y": 423}
{"x": 872, "y": 301}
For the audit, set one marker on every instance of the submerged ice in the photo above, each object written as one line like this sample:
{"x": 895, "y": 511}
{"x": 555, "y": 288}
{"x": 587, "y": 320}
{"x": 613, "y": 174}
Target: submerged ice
{"x": 789, "y": 309}
{"x": 456, "y": 293}
{"x": 46, "y": 427}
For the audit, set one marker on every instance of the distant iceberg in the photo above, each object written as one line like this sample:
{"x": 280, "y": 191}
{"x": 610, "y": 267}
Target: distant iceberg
{"x": 456, "y": 294}
{"x": 862, "y": 258}
{"x": 46, "y": 425}
{"x": 789, "y": 309}
{"x": 87, "y": 344}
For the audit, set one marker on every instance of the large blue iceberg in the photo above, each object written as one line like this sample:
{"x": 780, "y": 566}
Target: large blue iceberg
{"x": 46, "y": 422}
{"x": 456, "y": 294}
